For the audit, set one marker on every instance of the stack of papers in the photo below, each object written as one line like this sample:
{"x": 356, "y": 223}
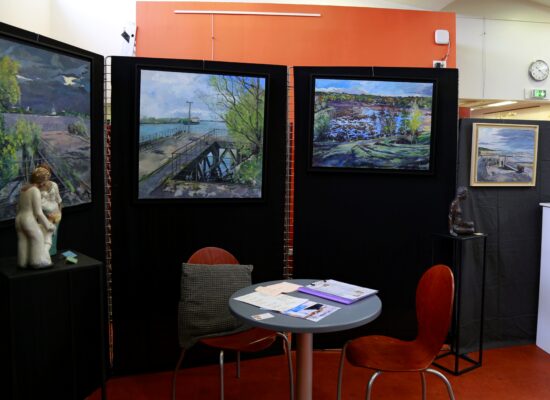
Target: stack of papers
{"x": 278, "y": 288}
{"x": 337, "y": 291}
{"x": 272, "y": 298}
{"x": 281, "y": 302}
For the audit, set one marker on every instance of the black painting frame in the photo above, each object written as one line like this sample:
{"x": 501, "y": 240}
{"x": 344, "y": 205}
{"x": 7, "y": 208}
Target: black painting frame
{"x": 96, "y": 65}
{"x": 351, "y": 74}
{"x": 199, "y": 67}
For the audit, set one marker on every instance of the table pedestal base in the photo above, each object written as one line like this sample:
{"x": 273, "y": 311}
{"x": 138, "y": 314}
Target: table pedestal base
{"x": 304, "y": 366}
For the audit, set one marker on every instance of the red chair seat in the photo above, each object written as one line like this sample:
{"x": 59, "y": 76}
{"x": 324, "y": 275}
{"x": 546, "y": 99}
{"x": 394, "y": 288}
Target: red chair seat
{"x": 385, "y": 353}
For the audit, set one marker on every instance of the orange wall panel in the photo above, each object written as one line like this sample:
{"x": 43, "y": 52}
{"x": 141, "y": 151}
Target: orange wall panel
{"x": 344, "y": 36}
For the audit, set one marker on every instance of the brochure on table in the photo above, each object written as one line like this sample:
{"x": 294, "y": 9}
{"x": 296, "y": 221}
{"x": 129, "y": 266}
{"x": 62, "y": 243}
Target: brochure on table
{"x": 337, "y": 291}
{"x": 311, "y": 311}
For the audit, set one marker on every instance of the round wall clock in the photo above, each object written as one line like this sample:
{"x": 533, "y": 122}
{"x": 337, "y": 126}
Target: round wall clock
{"x": 539, "y": 70}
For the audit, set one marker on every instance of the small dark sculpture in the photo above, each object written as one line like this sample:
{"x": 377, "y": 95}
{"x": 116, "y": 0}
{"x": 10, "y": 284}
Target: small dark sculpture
{"x": 457, "y": 226}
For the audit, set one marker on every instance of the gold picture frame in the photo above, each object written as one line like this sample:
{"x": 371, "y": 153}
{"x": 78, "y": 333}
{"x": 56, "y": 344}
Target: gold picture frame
{"x": 504, "y": 154}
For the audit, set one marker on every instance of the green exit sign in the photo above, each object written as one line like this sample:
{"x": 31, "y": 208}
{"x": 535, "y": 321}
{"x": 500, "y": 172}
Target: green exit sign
{"x": 538, "y": 93}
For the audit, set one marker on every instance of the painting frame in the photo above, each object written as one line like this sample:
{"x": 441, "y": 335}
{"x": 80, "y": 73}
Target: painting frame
{"x": 504, "y": 169}
{"x": 430, "y": 157}
{"x": 89, "y": 167}
{"x": 170, "y": 185}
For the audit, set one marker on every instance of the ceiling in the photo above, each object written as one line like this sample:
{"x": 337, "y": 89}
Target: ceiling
{"x": 519, "y": 10}
{"x": 524, "y": 10}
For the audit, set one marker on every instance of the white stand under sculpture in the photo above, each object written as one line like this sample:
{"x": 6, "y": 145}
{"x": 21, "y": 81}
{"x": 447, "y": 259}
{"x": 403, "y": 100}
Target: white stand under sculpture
{"x": 543, "y": 319}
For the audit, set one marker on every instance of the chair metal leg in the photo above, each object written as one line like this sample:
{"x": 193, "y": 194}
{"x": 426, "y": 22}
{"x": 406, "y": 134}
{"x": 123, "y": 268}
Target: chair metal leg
{"x": 238, "y": 364}
{"x": 289, "y": 358}
{"x": 444, "y": 379}
{"x": 371, "y": 382}
{"x": 221, "y": 374}
{"x": 423, "y": 379}
{"x": 175, "y": 375}
{"x": 341, "y": 371}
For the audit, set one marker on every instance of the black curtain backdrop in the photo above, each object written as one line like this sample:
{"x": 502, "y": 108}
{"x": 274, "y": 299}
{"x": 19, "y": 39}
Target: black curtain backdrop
{"x": 369, "y": 229}
{"x": 82, "y": 227}
{"x": 151, "y": 240}
{"x": 512, "y": 218}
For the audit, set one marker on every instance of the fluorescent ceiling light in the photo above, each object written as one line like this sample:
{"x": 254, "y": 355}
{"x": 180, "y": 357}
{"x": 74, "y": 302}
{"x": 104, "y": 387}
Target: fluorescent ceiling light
{"x": 501, "y": 103}
{"x": 276, "y": 14}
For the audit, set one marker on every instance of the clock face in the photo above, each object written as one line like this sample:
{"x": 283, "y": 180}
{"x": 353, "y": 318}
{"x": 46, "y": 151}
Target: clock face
{"x": 539, "y": 70}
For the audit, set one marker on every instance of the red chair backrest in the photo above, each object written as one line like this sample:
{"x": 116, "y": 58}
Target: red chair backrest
{"x": 212, "y": 255}
{"x": 434, "y": 305}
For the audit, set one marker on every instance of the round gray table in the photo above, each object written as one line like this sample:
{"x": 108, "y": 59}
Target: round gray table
{"x": 347, "y": 317}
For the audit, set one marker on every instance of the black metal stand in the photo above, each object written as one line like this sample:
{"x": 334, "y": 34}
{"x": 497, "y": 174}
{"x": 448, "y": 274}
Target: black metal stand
{"x": 457, "y": 267}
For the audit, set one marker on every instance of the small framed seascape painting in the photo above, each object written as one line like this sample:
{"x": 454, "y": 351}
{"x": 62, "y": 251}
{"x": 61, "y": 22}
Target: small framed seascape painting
{"x": 504, "y": 154}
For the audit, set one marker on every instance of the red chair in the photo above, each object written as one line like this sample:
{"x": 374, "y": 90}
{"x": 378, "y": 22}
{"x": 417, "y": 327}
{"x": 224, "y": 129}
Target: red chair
{"x": 249, "y": 340}
{"x": 434, "y": 304}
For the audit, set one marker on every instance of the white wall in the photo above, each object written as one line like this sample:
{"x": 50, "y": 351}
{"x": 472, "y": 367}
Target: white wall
{"x": 94, "y": 25}
{"x": 31, "y": 15}
{"x": 493, "y": 57}
{"x": 346, "y": 3}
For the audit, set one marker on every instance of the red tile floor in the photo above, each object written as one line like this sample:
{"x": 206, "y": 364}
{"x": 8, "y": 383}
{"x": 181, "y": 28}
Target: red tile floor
{"x": 512, "y": 373}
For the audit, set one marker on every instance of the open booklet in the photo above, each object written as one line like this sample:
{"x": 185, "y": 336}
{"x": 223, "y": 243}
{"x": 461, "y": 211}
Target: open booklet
{"x": 337, "y": 291}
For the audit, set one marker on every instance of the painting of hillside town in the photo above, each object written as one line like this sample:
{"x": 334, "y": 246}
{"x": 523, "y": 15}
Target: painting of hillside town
{"x": 374, "y": 125}
{"x": 201, "y": 135}
{"x": 44, "y": 118}
{"x": 504, "y": 155}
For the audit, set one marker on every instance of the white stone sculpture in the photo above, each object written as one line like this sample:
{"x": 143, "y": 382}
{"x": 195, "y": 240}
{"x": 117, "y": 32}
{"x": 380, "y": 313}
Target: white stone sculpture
{"x": 31, "y": 223}
{"x": 51, "y": 206}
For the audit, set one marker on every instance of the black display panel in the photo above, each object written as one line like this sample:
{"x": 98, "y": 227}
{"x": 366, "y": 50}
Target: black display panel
{"x": 373, "y": 229}
{"x": 152, "y": 236}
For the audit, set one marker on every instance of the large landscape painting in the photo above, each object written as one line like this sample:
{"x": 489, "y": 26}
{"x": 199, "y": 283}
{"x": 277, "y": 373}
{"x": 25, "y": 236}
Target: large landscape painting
{"x": 201, "y": 135}
{"x": 376, "y": 125}
{"x": 504, "y": 155}
{"x": 44, "y": 118}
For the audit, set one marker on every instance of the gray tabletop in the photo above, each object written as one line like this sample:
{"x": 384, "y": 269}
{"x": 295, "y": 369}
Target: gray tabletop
{"x": 347, "y": 317}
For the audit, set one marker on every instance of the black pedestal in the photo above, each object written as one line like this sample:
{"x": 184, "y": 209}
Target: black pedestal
{"x": 53, "y": 330}
{"x": 456, "y": 350}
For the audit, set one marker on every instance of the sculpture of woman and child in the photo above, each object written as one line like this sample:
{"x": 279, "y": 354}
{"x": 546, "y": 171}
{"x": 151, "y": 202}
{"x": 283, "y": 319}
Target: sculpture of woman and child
{"x": 37, "y": 219}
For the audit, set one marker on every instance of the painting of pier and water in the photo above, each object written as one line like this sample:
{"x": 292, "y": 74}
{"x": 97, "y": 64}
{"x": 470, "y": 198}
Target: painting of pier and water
{"x": 372, "y": 124}
{"x": 504, "y": 154}
{"x": 201, "y": 135}
{"x": 45, "y": 106}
